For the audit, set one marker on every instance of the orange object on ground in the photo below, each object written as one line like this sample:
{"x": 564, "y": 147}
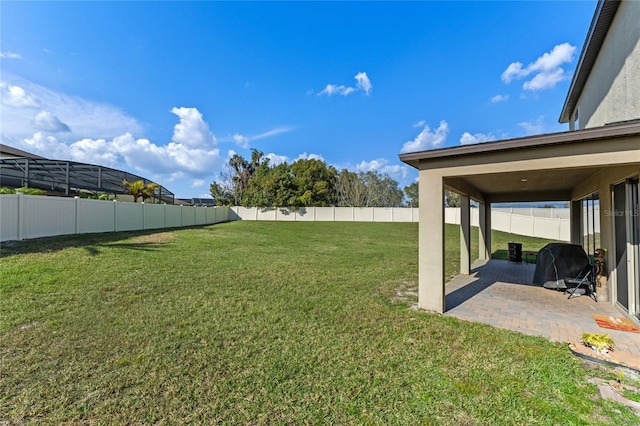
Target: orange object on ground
{"x": 615, "y": 323}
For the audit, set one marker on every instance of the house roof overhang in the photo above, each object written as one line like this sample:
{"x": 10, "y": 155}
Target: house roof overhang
{"x": 535, "y": 168}
{"x": 600, "y": 24}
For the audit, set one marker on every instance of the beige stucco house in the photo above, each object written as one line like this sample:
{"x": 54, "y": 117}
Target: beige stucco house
{"x": 596, "y": 162}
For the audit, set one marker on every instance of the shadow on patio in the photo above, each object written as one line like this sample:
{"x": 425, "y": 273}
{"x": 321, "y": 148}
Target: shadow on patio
{"x": 500, "y": 293}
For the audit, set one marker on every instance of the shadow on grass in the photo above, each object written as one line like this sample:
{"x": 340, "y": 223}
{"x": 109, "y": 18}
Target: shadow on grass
{"x": 92, "y": 243}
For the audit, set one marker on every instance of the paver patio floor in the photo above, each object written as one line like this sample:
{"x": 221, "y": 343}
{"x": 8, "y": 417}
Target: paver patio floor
{"x": 500, "y": 293}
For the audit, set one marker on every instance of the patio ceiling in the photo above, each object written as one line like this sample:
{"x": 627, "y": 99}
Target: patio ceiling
{"x": 526, "y": 185}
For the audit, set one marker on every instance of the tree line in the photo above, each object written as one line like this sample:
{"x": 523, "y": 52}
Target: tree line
{"x": 255, "y": 182}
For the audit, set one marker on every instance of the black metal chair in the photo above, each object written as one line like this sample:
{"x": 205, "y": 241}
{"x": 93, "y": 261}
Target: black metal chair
{"x": 586, "y": 279}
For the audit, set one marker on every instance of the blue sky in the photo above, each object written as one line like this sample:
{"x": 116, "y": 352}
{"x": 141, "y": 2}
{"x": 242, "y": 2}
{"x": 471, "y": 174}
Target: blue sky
{"x": 169, "y": 90}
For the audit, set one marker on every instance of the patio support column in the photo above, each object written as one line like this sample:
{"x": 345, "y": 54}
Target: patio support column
{"x": 484, "y": 234}
{"x": 431, "y": 242}
{"x": 465, "y": 234}
{"x": 575, "y": 222}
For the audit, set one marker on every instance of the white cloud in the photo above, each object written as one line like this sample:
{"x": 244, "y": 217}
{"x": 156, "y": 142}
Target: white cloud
{"x": 304, "y": 156}
{"x": 362, "y": 84}
{"x": 94, "y": 152}
{"x": 500, "y": 98}
{"x": 273, "y": 132}
{"x": 173, "y": 159}
{"x": 241, "y": 141}
{"x": 533, "y": 127}
{"x": 275, "y": 159}
{"x": 396, "y": 171}
{"x": 146, "y": 156}
{"x": 547, "y": 70}
{"x": 373, "y": 165}
{"x": 17, "y": 97}
{"x": 468, "y": 139}
{"x": 48, "y": 122}
{"x": 244, "y": 141}
{"x": 47, "y": 146}
{"x": 332, "y": 89}
{"x": 544, "y": 80}
{"x": 85, "y": 119}
{"x": 56, "y": 125}
{"x": 198, "y": 183}
{"x": 514, "y": 70}
{"x": 10, "y": 55}
{"x": 191, "y": 131}
{"x": 420, "y": 123}
{"x": 427, "y": 139}
{"x": 382, "y": 166}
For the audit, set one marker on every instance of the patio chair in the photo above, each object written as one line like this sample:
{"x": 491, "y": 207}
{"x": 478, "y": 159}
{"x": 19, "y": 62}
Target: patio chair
{"x": 586, "y": 279}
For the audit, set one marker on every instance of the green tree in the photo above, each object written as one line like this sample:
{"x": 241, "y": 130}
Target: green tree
{"x": 412, "y": 195}
{"x": 223, "y": 194}
{"x": 271, "y": 187}
{"x": 313, "y": 182}
{"x": 138, "y": 189}
{"x": 243, "y": 170}
{"x": 234, "y": 180}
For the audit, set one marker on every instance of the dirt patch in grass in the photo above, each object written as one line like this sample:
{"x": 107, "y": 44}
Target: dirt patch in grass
{"x": 157, "y": 238}
{"x": 403, "y": 291}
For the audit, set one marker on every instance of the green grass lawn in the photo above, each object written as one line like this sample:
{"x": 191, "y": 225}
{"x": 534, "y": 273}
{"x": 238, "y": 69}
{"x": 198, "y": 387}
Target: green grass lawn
{"x": 263, "y": 323}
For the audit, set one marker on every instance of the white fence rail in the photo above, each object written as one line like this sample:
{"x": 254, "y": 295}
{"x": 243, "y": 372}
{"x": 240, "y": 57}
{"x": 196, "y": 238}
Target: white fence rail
{"x": 551, "y": 223}
{"x": 32, "y": 216}
{"x": 328, "y": 214}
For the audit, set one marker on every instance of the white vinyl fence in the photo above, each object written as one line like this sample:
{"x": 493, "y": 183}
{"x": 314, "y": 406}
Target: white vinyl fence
{"x": 521, "y": 221}
{"x": 543, "y": 223}
{"x": 34, "y": 216}
{"x": 329, "y": 214}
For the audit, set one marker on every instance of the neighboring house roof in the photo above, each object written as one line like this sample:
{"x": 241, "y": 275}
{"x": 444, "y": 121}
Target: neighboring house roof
{"x": 9, "y": 151}
{"x": 600, "y": 24}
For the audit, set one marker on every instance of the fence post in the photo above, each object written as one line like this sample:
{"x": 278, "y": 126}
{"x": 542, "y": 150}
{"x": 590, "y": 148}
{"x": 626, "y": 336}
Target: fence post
{"x": 77, "y": 224}
{"x": 533, "y": 224}
{"x": 20, "y": 216}
{"x": 115, "y": 215}
{"x": 510, "y": 219}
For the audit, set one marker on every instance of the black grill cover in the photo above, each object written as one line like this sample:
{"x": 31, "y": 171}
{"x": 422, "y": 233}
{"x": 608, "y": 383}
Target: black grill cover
{"x": 557, "y": 261}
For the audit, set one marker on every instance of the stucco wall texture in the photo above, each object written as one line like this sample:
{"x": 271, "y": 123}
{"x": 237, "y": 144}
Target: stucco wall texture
{"x": 612, "y": 92}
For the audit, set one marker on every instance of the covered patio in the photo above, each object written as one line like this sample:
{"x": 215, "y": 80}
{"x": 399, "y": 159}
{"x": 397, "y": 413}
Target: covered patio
{"x": 566, "y": 166}
{"x": 500, "y": 293}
